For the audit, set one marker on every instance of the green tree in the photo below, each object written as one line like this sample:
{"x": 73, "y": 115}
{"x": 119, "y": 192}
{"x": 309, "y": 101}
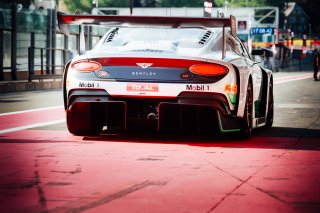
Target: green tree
{"x": 137, "y": 3}
{"x": 218, "y": 3}
{"x": 241, "y": 3}
{"x": 181, "y": 3}
{"x": 7, "y": 3}
{"x": 82, "y": 5}
{"x": 87, "y": 5}
{"x": 149, "y": 3}
{"x": 117, "y": 3}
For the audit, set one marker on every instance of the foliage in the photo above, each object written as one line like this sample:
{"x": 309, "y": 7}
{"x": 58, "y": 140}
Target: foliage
{"x": 87, "y": 5}
{"x": 7, "y": 3}
{"x": 181, "y": 3}
{"x": 311, "y": 7}
{"x": 241, "y": 3}
{"x": 218, "y": 3}
{"x": 82, "y": 5}
{"x": 149, "y": 3}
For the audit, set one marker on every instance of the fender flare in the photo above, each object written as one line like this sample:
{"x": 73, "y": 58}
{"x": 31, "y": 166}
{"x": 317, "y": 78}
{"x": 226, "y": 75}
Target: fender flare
{"x": 65, "y": 95}
{"x": 242, "y": 91}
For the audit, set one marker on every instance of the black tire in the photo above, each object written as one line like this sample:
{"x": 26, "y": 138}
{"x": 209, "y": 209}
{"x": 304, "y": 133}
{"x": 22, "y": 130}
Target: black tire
{"x": 269, "y": 118}
{"x": 246, "y": 129}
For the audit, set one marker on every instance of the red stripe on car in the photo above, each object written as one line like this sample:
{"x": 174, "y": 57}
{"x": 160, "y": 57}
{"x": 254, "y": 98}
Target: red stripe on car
{"x": 156, "y": 62}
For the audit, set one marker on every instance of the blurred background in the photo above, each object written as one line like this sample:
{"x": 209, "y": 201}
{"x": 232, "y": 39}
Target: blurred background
{"x": 31, "y": 45}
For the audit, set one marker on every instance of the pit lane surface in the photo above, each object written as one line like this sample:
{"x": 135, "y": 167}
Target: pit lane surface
{"x": 46, "y": 169}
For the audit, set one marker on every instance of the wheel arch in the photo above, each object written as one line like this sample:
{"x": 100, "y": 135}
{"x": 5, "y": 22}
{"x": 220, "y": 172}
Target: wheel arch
{"x": 270, "y": 82}
{"x": 64, "y": 85}
{"x": 263, "y": 94}
{"x": 243, "y": 92}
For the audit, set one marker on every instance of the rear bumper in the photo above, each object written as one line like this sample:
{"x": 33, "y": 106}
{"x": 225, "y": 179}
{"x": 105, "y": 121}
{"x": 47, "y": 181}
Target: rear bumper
{"x": 189, "y": 112}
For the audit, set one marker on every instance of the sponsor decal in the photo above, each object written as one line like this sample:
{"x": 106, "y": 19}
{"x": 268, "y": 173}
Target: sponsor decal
{"x": 231, "y": 88}
{"x": 232, "y": 98}
{"x": 136, "y": 87}
{"x": 144, "y": 65}
{"x": 191, "y": 87}
{"x": 143, "y": 73}
{"x": 88, "y": 84}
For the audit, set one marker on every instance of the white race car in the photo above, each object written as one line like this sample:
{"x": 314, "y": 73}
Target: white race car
{"x": 167, "y": 74}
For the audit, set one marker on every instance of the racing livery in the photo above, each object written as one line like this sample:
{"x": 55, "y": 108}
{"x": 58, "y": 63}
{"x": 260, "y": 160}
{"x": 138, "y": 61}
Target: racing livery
{"x": 166, "y": 74}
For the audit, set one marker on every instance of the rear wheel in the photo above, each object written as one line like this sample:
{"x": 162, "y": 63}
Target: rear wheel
{"x": 246, "y": 129}
{"x": 269, "y": 119}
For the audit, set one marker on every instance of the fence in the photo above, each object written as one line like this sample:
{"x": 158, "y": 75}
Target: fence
{"x": 66, "y": 56}
{"x": 31, "y": 46}
{"x": 15, "y": 38}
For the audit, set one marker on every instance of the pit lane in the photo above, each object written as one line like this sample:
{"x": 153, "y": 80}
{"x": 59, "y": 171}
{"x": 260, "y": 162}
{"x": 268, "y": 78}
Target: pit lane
{"x": 45, "y": 169}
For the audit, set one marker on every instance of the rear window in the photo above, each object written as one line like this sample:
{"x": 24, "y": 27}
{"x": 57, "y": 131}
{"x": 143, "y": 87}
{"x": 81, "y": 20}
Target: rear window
{"x": 185, "y": 37}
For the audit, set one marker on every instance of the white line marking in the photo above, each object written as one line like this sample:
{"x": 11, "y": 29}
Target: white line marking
{"x": 297, "y": 106}
{"x": 31, "y": 110}
{"x": 283, "y": 79}
{"x": 293, "y": 76}
{"x": 279, "y": 80}
{"x": 31, "y": 126}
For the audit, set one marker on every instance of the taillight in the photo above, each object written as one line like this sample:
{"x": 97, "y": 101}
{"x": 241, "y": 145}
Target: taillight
{"x": 86, "y": 66}
{"x": 208, "y": 69}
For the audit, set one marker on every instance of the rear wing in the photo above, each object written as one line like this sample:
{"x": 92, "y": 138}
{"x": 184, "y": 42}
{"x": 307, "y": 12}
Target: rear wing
{"x": 145, "y": 21}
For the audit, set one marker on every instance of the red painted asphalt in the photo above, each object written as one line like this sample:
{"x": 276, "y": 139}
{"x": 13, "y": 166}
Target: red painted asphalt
{"x": 54, "y": 171}
{"x": 27, "y": 118}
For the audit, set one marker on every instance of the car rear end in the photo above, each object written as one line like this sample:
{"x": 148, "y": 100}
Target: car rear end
{"x": 164, "y": 79}
{"x": 163, "y": 94}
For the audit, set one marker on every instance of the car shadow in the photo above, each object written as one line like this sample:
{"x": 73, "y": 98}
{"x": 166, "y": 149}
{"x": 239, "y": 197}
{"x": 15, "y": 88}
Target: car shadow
{"x": 288, "y": 132}
{"x": 273, "y": 138}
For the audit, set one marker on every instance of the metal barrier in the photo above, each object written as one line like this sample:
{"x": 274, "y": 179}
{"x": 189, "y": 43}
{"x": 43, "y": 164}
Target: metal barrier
{"x": 35, "y": 23}
{"x": 51, "y": 75}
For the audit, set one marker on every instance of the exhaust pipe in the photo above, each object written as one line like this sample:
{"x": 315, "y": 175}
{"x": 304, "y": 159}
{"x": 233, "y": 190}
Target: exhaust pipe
{"x": 150, "y": 112}
{"x": 152, "y": 116}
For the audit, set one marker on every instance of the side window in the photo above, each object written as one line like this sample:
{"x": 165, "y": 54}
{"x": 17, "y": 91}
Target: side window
{"x": 244, "y": 49}
{"x": 234, "y": 44}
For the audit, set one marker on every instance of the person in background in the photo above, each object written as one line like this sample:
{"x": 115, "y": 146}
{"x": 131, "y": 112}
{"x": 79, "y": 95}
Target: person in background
{"x": 316, "y": 63}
